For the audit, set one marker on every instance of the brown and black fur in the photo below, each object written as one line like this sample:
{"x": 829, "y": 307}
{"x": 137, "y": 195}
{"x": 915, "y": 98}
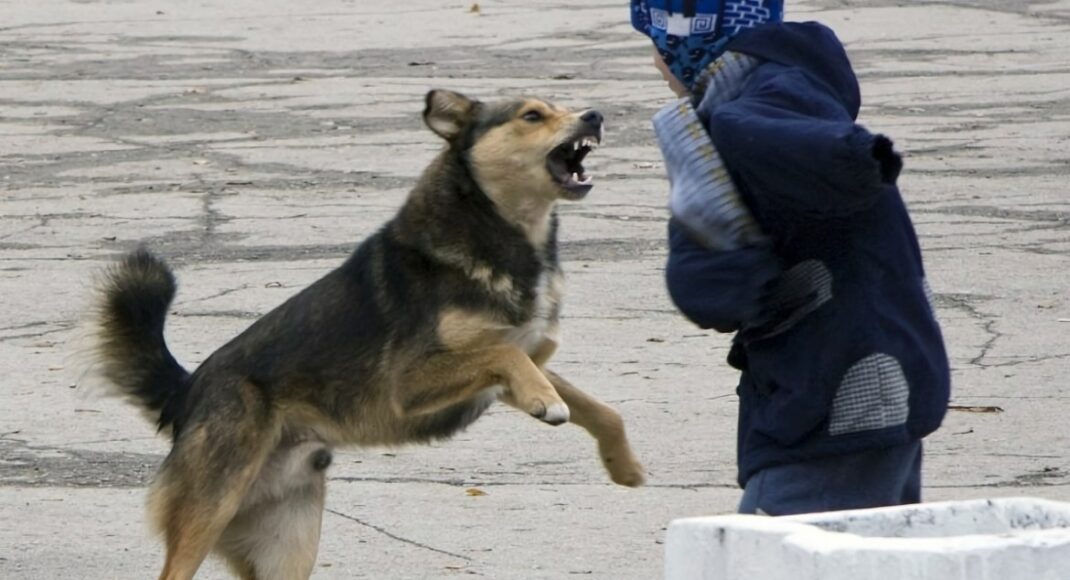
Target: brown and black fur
{"x": 450, "y": 306}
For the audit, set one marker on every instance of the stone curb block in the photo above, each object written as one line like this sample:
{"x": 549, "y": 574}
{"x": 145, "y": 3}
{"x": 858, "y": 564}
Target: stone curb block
{"x": 1000, "y": 539}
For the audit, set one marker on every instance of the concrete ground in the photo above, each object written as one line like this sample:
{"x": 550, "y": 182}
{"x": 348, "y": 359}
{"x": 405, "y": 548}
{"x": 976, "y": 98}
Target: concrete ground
{"x": 254, "y": 143}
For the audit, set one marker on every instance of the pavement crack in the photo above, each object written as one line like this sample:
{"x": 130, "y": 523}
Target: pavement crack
{"x": 60, "y": 328}
{"x": 396, "y": 537}
{"x": 25, "y": 230}
{"x": 218, "y": 294}
{"x": 1028, "y": 480}
{"x": 1030, "y": 360}
{"x": 455, "y": 482}
{"x": 993, "y": 336}
{"x": 963, "y": 302}
{"x": 211, "y": 216}
{"x": 461, "y": 482}
{"x": 24, "y": 326}
{"x": 240, "y": 314}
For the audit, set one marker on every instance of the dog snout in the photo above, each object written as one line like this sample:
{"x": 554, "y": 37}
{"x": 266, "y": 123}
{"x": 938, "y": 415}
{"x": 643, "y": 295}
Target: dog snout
{"x": 592, "y": 118}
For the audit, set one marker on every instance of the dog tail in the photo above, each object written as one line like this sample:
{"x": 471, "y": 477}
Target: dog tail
{"x": 134, "y": 357}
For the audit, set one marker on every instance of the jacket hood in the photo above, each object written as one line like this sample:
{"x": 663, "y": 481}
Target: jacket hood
{"x": 810, "y": 46}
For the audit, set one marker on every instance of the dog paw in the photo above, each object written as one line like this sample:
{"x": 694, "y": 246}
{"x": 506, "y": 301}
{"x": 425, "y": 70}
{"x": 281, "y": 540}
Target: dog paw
{"x": 554, "y": 414}
{"x": 632, "y": 477}
{"x": 624, "y": 469}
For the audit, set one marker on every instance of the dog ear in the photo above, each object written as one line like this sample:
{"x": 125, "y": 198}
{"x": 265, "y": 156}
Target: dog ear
{"x": 447, "y": 112}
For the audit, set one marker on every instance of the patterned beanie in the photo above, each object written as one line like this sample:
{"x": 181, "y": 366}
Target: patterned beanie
{"x": 690, "y": 34}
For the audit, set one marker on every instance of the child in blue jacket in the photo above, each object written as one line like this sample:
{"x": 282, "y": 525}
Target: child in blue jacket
{"x": 788, "y": 229}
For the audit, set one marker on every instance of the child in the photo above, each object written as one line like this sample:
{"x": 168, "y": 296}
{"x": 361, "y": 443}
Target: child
{"x": 788, "y": 229}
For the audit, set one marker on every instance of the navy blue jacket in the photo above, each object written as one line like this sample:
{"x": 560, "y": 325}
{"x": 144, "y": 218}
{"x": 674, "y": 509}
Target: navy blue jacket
{"x": 837, "y": 339}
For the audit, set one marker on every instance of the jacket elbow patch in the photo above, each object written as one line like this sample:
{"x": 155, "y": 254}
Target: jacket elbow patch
{"x": 874, "y": 394}
{"x": 800, "y": 291}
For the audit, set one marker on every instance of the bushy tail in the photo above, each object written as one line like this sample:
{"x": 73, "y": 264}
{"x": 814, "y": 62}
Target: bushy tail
{"x": 135, "y": 296}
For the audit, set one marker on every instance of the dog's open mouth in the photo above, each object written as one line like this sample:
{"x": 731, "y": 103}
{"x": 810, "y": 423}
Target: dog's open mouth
{"x": 565, "y": 164}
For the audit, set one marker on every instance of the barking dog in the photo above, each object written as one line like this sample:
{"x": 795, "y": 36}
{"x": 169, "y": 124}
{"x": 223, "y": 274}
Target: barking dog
{"x": 451, "y": 305}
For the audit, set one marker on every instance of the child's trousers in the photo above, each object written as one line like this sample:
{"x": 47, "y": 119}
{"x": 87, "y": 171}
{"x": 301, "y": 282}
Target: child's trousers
{"x": 872, "y": 478}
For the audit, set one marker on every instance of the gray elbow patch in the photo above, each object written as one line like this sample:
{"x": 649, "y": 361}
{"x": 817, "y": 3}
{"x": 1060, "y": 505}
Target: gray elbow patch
{"x": 873, "y": 394}
{"x": 800, "y": 291}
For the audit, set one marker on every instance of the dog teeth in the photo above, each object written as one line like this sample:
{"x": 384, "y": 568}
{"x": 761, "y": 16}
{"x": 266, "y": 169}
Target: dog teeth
{"x": 580, "y": 179}
{"x": 588, "y": 142}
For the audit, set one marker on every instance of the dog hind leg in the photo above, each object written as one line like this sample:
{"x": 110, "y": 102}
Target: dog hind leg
{"x": 204, "y": 480}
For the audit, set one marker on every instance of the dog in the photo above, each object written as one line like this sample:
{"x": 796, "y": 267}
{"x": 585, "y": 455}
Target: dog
{"x": 451, "y": 305}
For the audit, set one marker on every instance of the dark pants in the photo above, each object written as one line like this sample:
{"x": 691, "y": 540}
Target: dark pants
{"x": 875, "y": 478}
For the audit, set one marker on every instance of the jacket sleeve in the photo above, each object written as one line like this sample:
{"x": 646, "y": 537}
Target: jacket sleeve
{"x": 795, "y": 144}
{"x": 718, "y": 290}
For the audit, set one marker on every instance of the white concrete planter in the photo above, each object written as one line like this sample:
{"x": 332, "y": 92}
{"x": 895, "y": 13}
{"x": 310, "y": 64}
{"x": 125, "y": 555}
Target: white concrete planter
{"x": 1000, "y": 539}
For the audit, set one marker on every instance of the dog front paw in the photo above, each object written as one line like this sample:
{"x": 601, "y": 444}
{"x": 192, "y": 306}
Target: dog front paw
{"x": 631, "y": 476}
{"x": 624, "y": 468}
{"x": 554, "y": 413}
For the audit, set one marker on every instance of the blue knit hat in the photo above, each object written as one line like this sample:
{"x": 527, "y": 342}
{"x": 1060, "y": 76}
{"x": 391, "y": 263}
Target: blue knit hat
{"x": 690, "y": 34}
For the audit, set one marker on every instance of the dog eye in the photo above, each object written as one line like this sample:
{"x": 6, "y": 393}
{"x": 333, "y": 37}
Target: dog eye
{"x": 532, "y": 116}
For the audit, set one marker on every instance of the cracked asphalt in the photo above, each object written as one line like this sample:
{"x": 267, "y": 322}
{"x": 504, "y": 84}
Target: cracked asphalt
{"x": 254, "y": 143}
